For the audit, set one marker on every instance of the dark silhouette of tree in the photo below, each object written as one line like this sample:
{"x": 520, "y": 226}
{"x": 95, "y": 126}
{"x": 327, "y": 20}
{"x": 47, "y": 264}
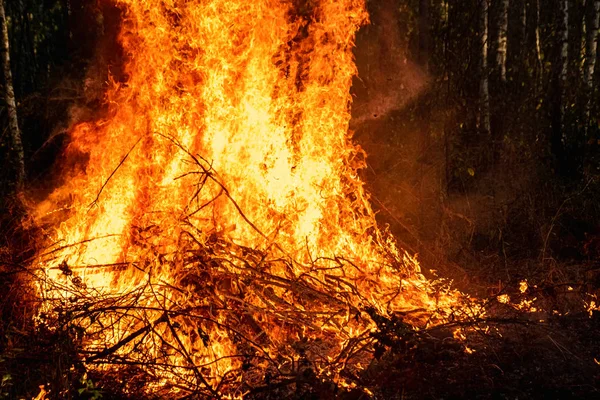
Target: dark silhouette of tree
{"x": 16, "y": 145}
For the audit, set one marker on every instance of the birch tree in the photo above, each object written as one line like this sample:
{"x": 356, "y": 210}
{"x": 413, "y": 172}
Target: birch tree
{"x": 502, "y": 39}
{"x": 533, "y": 34}
{"x": 9, "y": 97}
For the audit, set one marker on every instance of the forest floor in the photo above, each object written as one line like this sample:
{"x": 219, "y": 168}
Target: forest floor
{"x": 550, "y": 349}
{"x": 487, "y": 239}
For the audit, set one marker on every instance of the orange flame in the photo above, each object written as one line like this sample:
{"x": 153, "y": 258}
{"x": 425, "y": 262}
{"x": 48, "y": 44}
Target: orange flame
{"x": 231, "y": 130}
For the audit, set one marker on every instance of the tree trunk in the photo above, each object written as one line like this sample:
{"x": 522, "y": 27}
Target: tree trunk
{"x": 9, "y": 95}
{"x": 564, "y": 58}
{"x": 558, "y": 90}
{"x": 592, "y": 22}
{"x": 533, "y": 39}
{"x": 502, "y": 39}
{"x": 484, "y": 90}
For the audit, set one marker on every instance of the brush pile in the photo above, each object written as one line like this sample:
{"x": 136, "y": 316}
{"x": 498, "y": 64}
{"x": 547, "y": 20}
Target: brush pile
{"x": 231, "y": 319}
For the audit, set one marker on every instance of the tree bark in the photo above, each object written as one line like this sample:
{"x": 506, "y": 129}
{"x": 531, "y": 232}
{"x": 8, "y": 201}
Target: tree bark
{"x": 564, "y": 62}
{"x": 502, "y": 39}
{"x": 564, "y": 36}
{"x": 592, "y": 22}
{"x": 9, "y": 96}
{"x": 484, "y": 89}
{"x": 533, "y": 37}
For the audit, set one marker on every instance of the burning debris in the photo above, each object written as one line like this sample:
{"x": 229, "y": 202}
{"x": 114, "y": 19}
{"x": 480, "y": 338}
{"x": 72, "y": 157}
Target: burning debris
{"x": 217, "y": 318}
{"x": 217, "y": 239}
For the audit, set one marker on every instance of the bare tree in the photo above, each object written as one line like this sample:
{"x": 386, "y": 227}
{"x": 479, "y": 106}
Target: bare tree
{"x": 9, "y": 96}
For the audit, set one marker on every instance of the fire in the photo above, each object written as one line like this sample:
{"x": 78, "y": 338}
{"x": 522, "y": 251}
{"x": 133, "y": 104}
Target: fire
{"x": 218, "y": 221}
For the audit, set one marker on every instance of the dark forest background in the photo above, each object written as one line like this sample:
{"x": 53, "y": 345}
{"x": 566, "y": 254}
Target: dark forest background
{"x": 482, "y": 123}
{"x": 481, "y": 120}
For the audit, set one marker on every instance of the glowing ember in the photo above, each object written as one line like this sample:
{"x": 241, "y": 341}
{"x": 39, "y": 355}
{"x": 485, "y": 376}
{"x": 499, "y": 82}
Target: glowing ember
{"x": 219, "y": 224}
{"x": 523, "y": 286}
{"x": 504, "y": 298}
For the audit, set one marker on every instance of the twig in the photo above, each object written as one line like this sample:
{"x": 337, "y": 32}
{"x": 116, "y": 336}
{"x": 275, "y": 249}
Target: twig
{"x": 95, "y": 201}
{"x": 129, "y": 338}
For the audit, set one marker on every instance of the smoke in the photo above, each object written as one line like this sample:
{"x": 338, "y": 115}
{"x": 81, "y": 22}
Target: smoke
{"x": 388, "y": 86}
{"x": 447, "y": 211}
{"x": 388, "y": 80}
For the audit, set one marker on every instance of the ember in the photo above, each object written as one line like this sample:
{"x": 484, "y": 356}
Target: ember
{"x": 218, "y": 238}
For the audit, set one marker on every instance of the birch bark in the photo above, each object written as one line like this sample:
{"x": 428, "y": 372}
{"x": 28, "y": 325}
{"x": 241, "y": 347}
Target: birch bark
{"x": 9, "y": 96}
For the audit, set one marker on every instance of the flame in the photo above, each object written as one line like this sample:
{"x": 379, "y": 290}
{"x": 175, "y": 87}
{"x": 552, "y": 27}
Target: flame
{"x": 219, "y": 201}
